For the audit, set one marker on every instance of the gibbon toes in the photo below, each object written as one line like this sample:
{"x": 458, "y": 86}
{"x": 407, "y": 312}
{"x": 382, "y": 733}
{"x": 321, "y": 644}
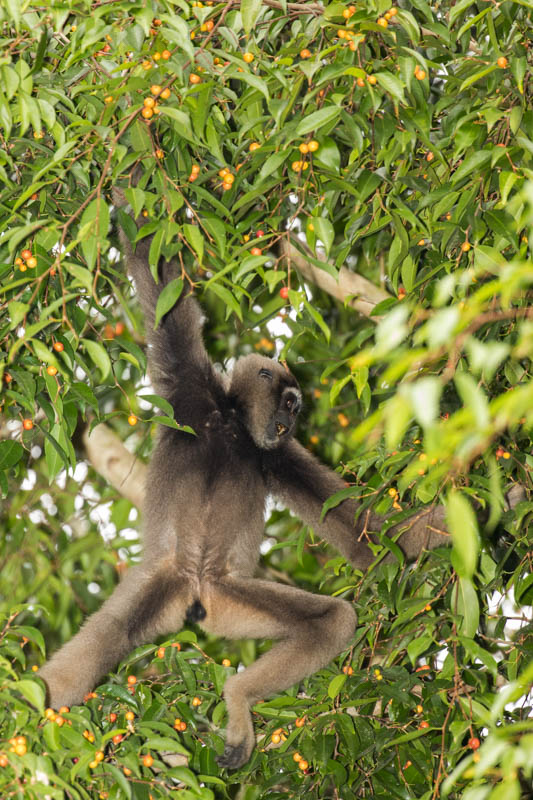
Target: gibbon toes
{"x": 234, "y": 755}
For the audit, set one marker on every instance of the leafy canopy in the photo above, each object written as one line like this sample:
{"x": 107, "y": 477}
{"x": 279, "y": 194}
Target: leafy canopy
{"x": 257, "y": 139}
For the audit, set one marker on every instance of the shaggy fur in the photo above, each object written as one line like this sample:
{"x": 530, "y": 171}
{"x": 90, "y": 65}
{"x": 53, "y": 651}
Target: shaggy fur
{"x": 203, "y": 512}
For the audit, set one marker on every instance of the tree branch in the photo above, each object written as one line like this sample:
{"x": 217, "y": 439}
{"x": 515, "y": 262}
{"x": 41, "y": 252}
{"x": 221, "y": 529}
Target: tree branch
{"x": 353, "y": 289}
{"x": 115, "y": 463}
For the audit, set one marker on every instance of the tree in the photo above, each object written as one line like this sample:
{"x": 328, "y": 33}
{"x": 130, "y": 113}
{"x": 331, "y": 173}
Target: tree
{"x": 364, "y": 173}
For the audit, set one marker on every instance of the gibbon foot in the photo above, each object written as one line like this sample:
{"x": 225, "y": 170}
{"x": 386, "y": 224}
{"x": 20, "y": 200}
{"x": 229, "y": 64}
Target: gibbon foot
{"x": 234, "y": 755}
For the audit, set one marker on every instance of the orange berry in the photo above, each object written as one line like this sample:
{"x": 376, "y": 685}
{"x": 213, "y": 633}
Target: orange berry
{"x": 303, "y": 764}
{"x": 424, "y": 724}
{"x": 131, "y": 678}
{"x": 148, "y": 760}
{"x": 314, "y": 439}
{"x": 51, "y": 370}
{"x": 419, "y": 709}
{"x": 346, "y": 13}
{"x": 420, "y": 74}
{"x": 465, "y": 247}
{"x": 372, "y": 80}
{"x": 20, "y": 749}
{"x": 296, "y": 757}
{"x": 256, "y": 251}
{"x": 209, "y": 25}
{"x": 149, "y": 102}
{"x": 50, "y": 713}
{"x": 112, "y": 717}
{"x": 31, "y": 262}
{"x": 166, "y": 54}
{"x": 117, "y": 738}
{"x": 159, "y": 153}
{"x": 502, "y": 62}
{"x": 229, "y": 178}
{"x": 343, "y": 420}
{"x": 387, "y": 15}
{"x": 132, "y": 420}
{"x": 348, "y": 670}
{"x": 129, "y": 715}
{"x": 248, "y": 57}
{"x": 125, "y": 770}
{"x": 156, "y": 89}
{"x": 26, "y": 254}
{"x": 284, "y": 292}
{"x": 430, "y": 156}
{"x": 196, "y": 701}
{"x": 119, "y": 328}
{"x": 194, "y": 78}
{"x": 226, "y": 662}
{"x": 165, "y": 94}
{"x": 474, "y": 743}
{"x": 254, "y": 146}
{"x": 303, "y": 148}
{"x": 305, "y": 53}
{"x": 383, "y": 22}
{"x": 27, "y": 424}
{"x": 161, "y": 652}
{"x": 297, "y": 166}
{"x": 4, "y": 761}
{"x": 275, "y": 738}
{"x": 108, "y": 99}
{"x": 506, "y": 455}
{"x": 393, "y": 11}
{"x": 177, "y": 645}
{"x": 146, "y": 65}
{"x": 360, "y": 82}
{"x": 182, "y": 726}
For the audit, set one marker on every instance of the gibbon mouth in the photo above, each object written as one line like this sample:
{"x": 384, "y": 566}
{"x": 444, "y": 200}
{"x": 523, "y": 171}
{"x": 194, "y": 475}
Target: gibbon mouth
{"x": 281, "y": 429}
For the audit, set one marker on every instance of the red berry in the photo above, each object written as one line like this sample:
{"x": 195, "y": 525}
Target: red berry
{"x": 284, "y": 292}
{"x": 474, "y": 743}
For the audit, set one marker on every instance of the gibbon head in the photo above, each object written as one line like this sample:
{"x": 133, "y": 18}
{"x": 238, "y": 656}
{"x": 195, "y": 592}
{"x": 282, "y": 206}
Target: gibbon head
{"x": 270, "y": 397}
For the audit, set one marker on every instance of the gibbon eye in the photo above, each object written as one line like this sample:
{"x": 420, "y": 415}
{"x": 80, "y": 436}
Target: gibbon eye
{"x": 265, "y": 373}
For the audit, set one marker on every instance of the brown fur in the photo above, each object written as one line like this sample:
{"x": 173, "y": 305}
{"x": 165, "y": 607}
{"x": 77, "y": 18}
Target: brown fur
{"x": 204, "y": 505}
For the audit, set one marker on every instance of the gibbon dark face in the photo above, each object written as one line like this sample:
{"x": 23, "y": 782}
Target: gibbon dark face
{"x": 270, "y": 397}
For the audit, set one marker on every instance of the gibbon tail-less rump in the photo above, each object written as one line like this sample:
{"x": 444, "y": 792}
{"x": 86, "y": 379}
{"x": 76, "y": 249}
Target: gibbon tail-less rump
{"x": 203, "y": 523}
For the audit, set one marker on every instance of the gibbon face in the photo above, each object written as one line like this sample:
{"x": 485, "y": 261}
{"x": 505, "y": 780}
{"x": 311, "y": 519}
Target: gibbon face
{"x": 270, "y": 397}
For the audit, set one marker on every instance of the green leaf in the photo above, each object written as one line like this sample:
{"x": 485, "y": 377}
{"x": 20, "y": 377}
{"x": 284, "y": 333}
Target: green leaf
{"x": 93, "y": 230}
{"x": 464, "y": 602}
{"x": 17, "y": 312}
{"x": 465, "y": 535}
{"x": 250, "y": 10}
{"x": 167, "y": 299}
{"x": 473, "y": 163}
{"x": 98, "y": 356}
{"x": 392, "y": 85}
{"x": 317, "y": 120}
{"x": 336, "y": 685}
{"x": 10, "y": 453}
{"x": 325, "y": 232}
{"x": 31, "y": 691}
{"x": 195, "y": 239}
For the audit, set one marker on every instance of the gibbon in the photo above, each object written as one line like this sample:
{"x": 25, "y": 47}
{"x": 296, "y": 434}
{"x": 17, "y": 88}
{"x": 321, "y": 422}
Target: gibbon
{"x": 204, "y": 520}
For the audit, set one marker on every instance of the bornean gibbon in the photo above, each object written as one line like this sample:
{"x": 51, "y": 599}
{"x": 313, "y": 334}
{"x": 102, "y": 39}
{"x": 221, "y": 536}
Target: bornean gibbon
{"x": 204, "y": 522}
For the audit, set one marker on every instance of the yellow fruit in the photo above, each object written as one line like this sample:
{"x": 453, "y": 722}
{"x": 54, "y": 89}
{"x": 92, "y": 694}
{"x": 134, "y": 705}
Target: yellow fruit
{"x": 502, "y": 62}
{"x": 194, "y": 78}
{"x": 155, "y": 89}
{"x": 248, "y": 57}
{"x": 149, "y": 102}
{"x": 465, "y": 247}
{"x": 254, "y": 146}
{"x": 383, "y": 22}
{"x": 303, "y": 148}
{"x": 165, "y": 94}
{"x": 132, "y": 420}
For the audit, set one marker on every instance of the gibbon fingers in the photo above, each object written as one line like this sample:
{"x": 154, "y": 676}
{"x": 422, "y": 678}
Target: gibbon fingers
{"x": 203, "y": 518}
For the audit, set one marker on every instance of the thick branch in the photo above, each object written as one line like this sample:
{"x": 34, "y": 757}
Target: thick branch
{"x": 115, "y": 463}
{"x": 353, "y": 289}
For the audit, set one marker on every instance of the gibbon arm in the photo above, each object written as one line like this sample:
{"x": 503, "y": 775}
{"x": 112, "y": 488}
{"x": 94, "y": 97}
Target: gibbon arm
{"x": 303, "y": 484}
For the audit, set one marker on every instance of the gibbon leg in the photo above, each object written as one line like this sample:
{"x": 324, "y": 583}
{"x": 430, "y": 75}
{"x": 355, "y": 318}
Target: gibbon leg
{"x": 311, "y": 629}
{"x": 143, "y": 605}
